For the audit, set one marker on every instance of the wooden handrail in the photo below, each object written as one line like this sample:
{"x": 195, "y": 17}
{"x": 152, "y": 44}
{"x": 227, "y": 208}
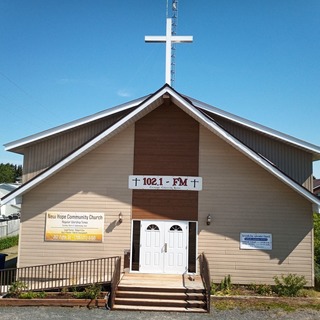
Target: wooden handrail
{"x": 59, "y": 275}
{"x": 206, "y": 279}
{"x": 115, "y": 282}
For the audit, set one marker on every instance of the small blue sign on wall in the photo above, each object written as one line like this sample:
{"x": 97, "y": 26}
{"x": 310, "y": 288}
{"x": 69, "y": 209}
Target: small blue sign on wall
{"x": 256, "y": 241}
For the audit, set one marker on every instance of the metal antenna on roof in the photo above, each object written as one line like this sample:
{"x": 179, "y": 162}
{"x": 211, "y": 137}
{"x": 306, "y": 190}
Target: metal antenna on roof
{"x": 167, "y": 9}
{"x": 173, "y": 45}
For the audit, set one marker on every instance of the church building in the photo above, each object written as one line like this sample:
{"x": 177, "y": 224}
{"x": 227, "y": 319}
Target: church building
{"x": 162, "y": 179}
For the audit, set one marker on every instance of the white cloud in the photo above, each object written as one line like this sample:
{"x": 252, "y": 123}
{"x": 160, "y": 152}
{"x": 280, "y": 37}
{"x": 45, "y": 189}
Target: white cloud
{"x": 123, "y": 93}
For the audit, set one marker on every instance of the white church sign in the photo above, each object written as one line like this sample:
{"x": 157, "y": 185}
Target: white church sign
{"x": 256, "y": 241}
{"x": 165, "y": 183}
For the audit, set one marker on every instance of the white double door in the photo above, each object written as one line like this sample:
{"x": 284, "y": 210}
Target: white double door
{"x": 163, "y": 246}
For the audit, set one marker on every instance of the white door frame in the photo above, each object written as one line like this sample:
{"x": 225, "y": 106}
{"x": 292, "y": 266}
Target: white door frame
{"x": 162, "y": 251}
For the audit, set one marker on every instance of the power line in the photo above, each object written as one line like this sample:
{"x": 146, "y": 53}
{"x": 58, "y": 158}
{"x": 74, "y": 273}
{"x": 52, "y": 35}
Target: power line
{"x": 48, "y": 111}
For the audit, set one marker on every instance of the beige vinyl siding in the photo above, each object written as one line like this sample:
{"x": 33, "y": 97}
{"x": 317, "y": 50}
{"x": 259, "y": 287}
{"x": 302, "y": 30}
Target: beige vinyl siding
{"x": 243, "y": 197}
{"x": 293, "y": 161}
{"x": 98, "y": 182}
{"x": 43, "y": 154}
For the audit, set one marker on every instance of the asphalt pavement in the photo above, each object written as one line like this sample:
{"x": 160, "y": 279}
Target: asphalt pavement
{"x": 55, "y": 313}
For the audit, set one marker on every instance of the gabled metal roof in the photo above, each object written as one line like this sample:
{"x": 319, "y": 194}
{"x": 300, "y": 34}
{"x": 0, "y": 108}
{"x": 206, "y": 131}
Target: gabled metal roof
{"x": 309, "y": 147}
{"x": 146, "y": 106}
{"x": 306, "y": 146}
{"x": 70, "y": 125}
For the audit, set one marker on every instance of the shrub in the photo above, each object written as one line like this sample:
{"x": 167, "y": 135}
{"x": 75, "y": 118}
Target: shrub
{"x": 16, "y": 288}
{"x": 307, "y": 293}
{"x": 213, "y": 288}
{"x": 316, "y": 227}
{"x": 226, "y": 284}
{"x": 263, "y": 289}
{"x": 32, "y": 295}
{"x": 317, "y": 276}
{"x": 289, "y": 285}
{"x": 64, "y": 291}
{"x": 91, "y": 292}
{"x": 223, "y": 288}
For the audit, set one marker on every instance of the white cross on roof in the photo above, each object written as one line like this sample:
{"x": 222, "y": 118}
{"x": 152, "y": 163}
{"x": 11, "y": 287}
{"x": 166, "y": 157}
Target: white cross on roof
{"x": 169, "y": 39}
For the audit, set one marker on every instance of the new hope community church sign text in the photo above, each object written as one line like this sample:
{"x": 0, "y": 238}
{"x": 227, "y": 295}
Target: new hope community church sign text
{"x": 74, "y": 226}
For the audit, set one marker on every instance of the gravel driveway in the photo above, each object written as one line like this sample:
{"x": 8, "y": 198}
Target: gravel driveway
{"x": 53, "y": 313}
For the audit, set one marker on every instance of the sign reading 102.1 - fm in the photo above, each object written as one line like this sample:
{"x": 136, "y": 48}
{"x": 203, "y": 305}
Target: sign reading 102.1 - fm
{"x": 165, "y": 183}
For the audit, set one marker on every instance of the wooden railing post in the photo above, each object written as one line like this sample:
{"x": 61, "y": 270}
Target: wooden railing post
{"x": 206, "y": 279}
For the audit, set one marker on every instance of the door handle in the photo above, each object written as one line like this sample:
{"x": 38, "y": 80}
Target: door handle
{"x": 165, "y": 247}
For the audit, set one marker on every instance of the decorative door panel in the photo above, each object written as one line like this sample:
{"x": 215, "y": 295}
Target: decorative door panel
{"x": 151, "y": 247}
{"x": 175, "y": 260}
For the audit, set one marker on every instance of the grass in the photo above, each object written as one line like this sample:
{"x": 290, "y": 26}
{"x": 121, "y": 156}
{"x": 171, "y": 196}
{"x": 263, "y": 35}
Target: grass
{"x": 263, "y": 298}
{"x": 8, "y": 242}
{"x": 285, "y": 304}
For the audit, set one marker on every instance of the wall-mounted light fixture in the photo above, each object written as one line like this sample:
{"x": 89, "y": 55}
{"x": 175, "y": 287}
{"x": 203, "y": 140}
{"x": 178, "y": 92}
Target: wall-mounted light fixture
{"x": 120, "y": 218}
{"x": 208, "y": 220}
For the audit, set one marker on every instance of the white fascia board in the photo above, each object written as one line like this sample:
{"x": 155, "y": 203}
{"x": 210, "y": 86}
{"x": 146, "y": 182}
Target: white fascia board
{"x": 104, "y": 136}
{"x": 186, "y": 106}
{"x": 70, "y": 125}
{"x": 258, "y": 127}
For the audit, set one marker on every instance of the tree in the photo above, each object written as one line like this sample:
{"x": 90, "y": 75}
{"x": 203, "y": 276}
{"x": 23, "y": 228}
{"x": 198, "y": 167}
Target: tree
{"x": 316, "y": 231}
{"x": 18, "y": 172}
{"x": 9, "y": 173}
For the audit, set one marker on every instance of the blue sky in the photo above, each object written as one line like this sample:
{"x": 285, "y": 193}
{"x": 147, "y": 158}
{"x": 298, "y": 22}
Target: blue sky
{"x": 61, "y": 60}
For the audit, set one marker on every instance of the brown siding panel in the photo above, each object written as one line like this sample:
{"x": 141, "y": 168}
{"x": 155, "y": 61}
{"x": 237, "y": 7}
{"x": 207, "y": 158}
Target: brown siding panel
{"x": 167, "y": 205}
{"x": 166, "y": 143}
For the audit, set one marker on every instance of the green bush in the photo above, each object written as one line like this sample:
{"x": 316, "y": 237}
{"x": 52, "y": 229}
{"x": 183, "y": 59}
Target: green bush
{"x": 224, "y": 288}
{"x": 226, "y": 284}
{"x": 289, "y": 285}
{"x": 316, "y": 228}
{"x": 262, "y": 289}
{"x": 213, "y": 288}
{"x": 91, "y": 292}
{"x": 16, "y": 288}
{"x": 317, "y": 276}
{"x": 8, "y": 242}
{"x": 32, "y": 295}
